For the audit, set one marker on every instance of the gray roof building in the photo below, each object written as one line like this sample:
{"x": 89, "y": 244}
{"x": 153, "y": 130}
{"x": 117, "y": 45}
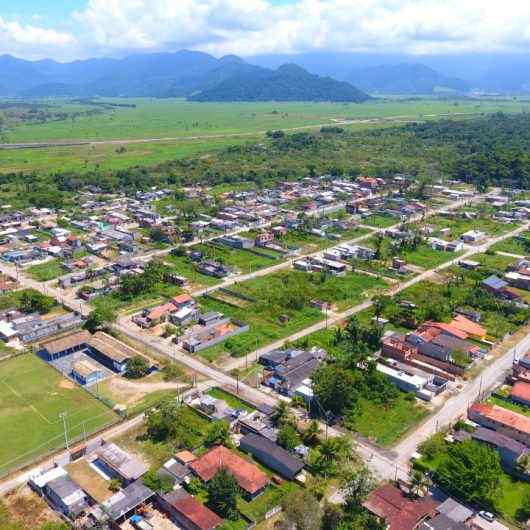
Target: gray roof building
{"x": 272, "y": 455}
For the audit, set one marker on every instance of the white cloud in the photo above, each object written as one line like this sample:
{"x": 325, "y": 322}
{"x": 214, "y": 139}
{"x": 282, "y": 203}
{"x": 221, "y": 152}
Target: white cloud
{"x": 256, "y": 26}
{"x": 248, "y": 27}
{"x": 31, "y": 41}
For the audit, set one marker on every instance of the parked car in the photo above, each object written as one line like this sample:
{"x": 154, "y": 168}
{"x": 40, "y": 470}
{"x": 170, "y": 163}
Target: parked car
{"x": 487, "y": 515}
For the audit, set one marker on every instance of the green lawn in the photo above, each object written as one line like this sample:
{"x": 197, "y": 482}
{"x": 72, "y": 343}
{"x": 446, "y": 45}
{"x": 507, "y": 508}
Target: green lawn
{"x": 525, "y": 411}
{"x": 459, "y": 226}
{"x": 494, "y": 261}
{"x": 380, "y": 220}
{"x": 183, "y": 266}
{"x": 386, "y": 424}
{"x": 256, "y": 509}
{"x": 33, "y": 396}
{"x": 231, "y": 400}
{"x": 519, "y": 245}
{"x": 46, "y": 271}
{"x": 426, "y": 257}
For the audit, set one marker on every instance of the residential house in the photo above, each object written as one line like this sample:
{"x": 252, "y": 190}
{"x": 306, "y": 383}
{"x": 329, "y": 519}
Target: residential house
{"x": 407, "y": 382}
{"x": 521, "y": 393}
{"x": 66, "y": 496}
{"x": 117, "y": 463}
{"x": 124, "y": 503}
{"x": 211, "y": 332}
{"x": 511, "y": 451}
{"x": 519, "y": 280}
{"x": 472, "y": 236}
{"x": 272, "y": 455}
{"x": 500, "y": 288}
{"x": 286, "y": 370}
{"x": 400, "y": 511}
{"x": 249, "y": 477}
{"x": 187, "y": 512}
{"x": 501, "y": 420}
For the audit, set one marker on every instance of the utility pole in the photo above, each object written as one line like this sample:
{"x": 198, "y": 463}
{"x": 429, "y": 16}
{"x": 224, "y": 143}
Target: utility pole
{"x": 62, "y": 415}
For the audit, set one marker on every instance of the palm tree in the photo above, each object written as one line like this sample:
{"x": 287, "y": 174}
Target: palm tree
{"x": 419, "y": 483}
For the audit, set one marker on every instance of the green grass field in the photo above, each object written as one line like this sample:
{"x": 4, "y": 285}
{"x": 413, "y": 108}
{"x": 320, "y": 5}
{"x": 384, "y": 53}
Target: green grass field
{"x": 518, "y": 245}
{"x": 386, "y": 424}
{"x": 203, "y": 128}
{"x": 46, "y": 271}
{"x": 33, "y": 396}
{"x": 285, "y": 294}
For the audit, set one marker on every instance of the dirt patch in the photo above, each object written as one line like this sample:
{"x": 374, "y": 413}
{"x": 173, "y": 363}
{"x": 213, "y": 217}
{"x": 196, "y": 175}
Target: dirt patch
{"x": 91, "y": 481}
{"x": 129, "y": 392}
{"x": 67, "y": 385}
{"x": 26, "y": 509}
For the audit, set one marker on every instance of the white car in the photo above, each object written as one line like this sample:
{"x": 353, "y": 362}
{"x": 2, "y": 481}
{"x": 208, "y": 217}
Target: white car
{"x": 487, "y": 515}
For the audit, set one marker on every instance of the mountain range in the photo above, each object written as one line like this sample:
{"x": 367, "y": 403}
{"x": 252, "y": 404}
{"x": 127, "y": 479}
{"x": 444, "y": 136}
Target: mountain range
{"x": 492, "y": 72}
{"x": 196, "y": 75}
{"x": 325, "y": 76}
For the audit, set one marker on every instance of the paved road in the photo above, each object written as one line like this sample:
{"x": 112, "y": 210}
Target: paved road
{"x": 384, "y": 464}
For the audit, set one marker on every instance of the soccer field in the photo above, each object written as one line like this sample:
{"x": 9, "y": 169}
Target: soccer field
{"x": 33, "y": 395}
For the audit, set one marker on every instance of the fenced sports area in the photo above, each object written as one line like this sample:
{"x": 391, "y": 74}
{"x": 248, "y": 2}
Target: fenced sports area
{"x": 37, "y": 405}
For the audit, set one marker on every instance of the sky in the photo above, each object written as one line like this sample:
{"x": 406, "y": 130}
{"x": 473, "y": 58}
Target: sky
{"x": 72, "y": 29}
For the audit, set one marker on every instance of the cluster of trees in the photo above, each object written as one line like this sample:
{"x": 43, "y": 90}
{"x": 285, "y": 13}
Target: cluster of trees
{"x": 339, "y": 386}
{"x": 490, "y": 151}
{"x": 132, "y": 285}
{"x": 31, "y": 301}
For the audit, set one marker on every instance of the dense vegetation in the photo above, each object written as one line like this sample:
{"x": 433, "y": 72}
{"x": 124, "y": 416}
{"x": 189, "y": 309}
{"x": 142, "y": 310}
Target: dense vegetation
{"x": 483, "y": 151}
{"x": 288, "y": 83}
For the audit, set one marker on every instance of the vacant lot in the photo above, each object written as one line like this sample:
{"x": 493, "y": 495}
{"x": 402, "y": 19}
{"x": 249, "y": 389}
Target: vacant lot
{"x": 282, "y": 305}
{"x": 460, "y": 225}
{"x": 518, "y": 245}
{"x": 46, "y": 271}
{"x": 33, "y": 396}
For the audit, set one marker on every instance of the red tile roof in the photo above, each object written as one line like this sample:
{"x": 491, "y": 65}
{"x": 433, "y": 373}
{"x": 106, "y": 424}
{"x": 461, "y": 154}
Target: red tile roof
{"x": 448, "y": 328}
{"x": 182, "y": 299}
{"x": 521, "y": 390}
{"x": 201, "y": 516}
{"x": 502, "y": 416}
{"x": 399, "y": 511}
{"x": 468, "y": 326}
{"x": 249, "y": 477}
{"x": 160, "y": 311}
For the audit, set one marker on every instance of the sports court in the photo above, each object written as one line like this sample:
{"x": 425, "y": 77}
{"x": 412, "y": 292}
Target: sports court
{"x": 32, "y": 397}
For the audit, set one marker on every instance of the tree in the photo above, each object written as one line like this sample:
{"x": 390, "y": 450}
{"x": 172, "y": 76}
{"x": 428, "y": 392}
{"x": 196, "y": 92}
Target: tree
{"x": 419, "y": 482}
{"x": 331, "y": 456}
{"x": 288, "y": 437}
{"x": 332, "y": 516}
{"x": 335, "y": 388}
{"x": 115, "y": 485}
{"x": 223, "y": 491}
{"x": 100, "y": 318}
{"x": 301, "y": 511}
{"x": 137, "y": 367}
{"x": 357, "y": 482}
{"x": 218, "y": 433}
{"x": 281, "y": 413}
{"x": 311, "y": 434}
{"x": 473, "y": 471}
{"x": 31, "y": 301}
{"x": 156, "y": 482}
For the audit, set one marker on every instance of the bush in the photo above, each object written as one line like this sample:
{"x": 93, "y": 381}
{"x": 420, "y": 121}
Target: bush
{"x": 137, "y": 367}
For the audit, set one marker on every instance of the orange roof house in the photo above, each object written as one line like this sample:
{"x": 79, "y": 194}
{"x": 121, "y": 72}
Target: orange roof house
{"x": 249, "y": 477}
{"x": 469, "y": 327}
{"x": 521, "y": 393}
